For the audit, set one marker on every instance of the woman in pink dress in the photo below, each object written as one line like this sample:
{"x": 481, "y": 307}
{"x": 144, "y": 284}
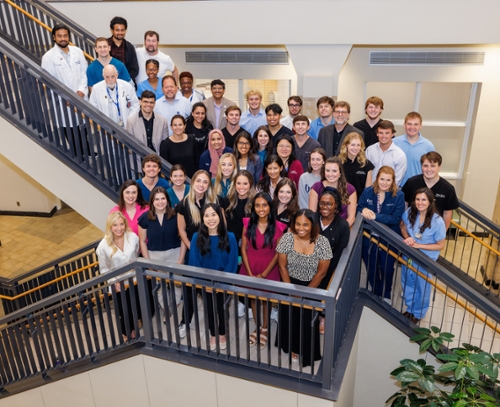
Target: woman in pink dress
{"x": 131, "y": 204}
{"x": 261, "y": 233}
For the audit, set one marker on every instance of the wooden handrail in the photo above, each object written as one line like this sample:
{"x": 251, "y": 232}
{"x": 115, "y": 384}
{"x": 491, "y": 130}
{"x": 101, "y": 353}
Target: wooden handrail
{"x": 433, "y": 283}
{"x": 460, "y": 227}
{"x": 41, "y": 23}
{"x": 32, "y": 290}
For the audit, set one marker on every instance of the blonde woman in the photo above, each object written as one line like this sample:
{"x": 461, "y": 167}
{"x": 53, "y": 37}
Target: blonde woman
{"x": 226, "y": 172}
{"x": 357, "y": 168}
{"x": 119, "y": 246}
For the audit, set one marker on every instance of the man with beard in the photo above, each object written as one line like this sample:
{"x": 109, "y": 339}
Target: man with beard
{"x": 121, "y": 49}
{"x": 150, "y": 51}
{"x": 67, "y": 64}
{"x": 373, "y": 109}
{"x": 332, "y": 136}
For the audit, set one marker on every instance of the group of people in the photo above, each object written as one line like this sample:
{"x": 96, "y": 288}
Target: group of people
{"x": 279, "y": 193}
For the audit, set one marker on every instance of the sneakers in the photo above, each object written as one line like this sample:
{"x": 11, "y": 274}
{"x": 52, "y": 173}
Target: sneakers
{"x": 250, "y": 314}
{"x": 274, "y": 314}
{"x": 387, "y": 300}
{"x": 182, "y": 330}
{"x": 241, "y": 310}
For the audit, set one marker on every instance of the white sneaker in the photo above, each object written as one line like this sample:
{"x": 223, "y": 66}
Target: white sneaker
{"x": 182, "y": 330}
{"x": 241, "y": 310}
{"x": 387, "y": 300}
{"x": 250, "y": 314}
{"x": 274, "y": 315}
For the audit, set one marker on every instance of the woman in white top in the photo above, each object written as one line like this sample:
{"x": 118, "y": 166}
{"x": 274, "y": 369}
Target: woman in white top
{"x": 119, "y": 246}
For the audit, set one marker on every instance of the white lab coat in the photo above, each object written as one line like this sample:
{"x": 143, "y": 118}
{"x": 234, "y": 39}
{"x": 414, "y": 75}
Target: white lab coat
{"x": 126, "y": 95}
{"x": 74, "y": 75}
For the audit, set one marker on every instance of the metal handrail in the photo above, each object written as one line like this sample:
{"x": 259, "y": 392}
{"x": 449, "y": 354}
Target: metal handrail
{"x": 468, "y": 233}
{"x": 431, "y": 282}
{"x": 36, "y": 20}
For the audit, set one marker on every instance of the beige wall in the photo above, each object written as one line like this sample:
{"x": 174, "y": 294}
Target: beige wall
{"x": 53, "y": 175}
{"x": 21, "y": 193}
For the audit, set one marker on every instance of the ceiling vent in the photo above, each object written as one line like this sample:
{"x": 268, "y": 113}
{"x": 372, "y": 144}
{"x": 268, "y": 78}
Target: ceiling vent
{"x": 425, "y": 58}
{"x": 237, "y": 57}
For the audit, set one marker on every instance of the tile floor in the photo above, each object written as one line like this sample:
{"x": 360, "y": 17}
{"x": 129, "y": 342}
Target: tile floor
{"x": 29, "y": 242}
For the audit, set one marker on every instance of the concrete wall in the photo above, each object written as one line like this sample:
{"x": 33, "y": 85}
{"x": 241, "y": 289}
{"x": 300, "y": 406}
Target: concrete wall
{"x": 53, "y": 175}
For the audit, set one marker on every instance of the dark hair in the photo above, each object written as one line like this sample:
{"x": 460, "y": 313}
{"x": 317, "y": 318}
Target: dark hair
{"x": 386, "y": 125}
{"x": 168, "y": 77}
{"x": 205, "y": 124}
{"x": 270, "y": 145}
{"x": 265, "y": 182}
{"x": 293, "y": 205}
{"x": 140, "y": 199}
{"x": 147, "y": 94}
{"x": 333, "y": 192}
{"x": 155, "y": 158}
{"x": 432, "y": 157}
{"x": 288, "y": 138}
{"x": 275, "y": 108}
{"x": 178, "y": 116}
{"x": 301, "y": 118}
{"x": 58, "y": 27}
{"x": 152, "y": 61}
{"x": 251, "y": 151}
{"x": 169, "y": 211}
{"x": 325, "y": 99}
{"x": 118, "y": 20}
{"x": 217, "y": 82}
{"x": 311, "y": 217}
{"x": 186, "y": 74}
{"x": 151, "y": 33}
{"x": 203, "y": 242}
{"x": 431, "y": 210}
{"x": 297, "y": 99}
{"x": 322, "y": 153}
{"x": 231, "y": 108}
{"x": 177, "y": 167}
{"x": 341, "y": 103}
{"x": 254, "y": 222}
{"x": 342, "y": 182}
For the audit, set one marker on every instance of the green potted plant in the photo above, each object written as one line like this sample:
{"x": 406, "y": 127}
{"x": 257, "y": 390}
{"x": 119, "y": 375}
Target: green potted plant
{"x": 467, "y": 376}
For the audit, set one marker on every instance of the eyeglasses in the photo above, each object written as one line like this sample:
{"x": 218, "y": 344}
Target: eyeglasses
{"x": 340, "y": 112}
{"x": 291, "y": 105}
{"x": 243, "y": 143}
{"x": 326, "y": 205}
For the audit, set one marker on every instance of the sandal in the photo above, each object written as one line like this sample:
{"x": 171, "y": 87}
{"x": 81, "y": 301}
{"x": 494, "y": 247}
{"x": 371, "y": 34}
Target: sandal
{"x": 253, "y": 338}
{"x": 321, "y": 325}
{"x": 263, "y": 337}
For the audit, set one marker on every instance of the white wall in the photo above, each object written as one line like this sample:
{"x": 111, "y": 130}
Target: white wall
{"x": 149, "y": 382}
{"x": 22, "y": 193}
{"x": 53, "y": 175}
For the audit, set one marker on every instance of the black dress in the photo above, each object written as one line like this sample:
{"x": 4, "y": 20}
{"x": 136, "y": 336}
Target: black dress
{"x": 180, "y": 153}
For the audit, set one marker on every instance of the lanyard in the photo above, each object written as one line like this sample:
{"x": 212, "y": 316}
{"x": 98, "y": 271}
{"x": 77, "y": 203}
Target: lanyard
{"x": 117, "y": 104}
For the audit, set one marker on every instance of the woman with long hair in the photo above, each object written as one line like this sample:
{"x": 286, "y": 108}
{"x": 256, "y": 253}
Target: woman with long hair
{"x": 357, "y": 168}
{"x": 246, "y": 157}
{"x": 285, "y": 148}
{"x": 303, "y": 259}
{"x": 179, "y": 148}
{"x": 198, "y": 127}
{"x": 131, "y": 204}
{"x": 336, "y": 230}
{"x": 213, "y": 247}
{"x": 422, "y": 228}
{"x": 261, "y": 233}
{"x": 384, "y": 203}
{"x": 263, "y": 142}
{"x": 237, "y": 204}
{"x": 179, "y": 189}
{"x": 118, "y": 247}
{"x": 226, "y": 172}
{"x": 209, "y": 160}
{"x": 334, "y": 177}
{"x": 285, "y": 200}
{"x": 315, "y": 172}
{"x": 273, "y": 173}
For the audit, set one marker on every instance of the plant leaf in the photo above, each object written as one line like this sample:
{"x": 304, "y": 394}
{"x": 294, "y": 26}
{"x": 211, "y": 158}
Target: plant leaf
{"x": 412, "y": 365}
{"x": 425, "y": 345}
{"x": 448, "y": 366}
{"x": 479, "y": 358}
{"x": 408, "y": 377}
{"x": 447, "y": 336}
{"x": 435, "y": 329}
{"x": 447, "y": 357}
{"x": 422, "y": 331}
{"x": 419, "y": 337}
{"x": 426, "y": 384}
{"x": 473, "y": 372}
{"x": 460, "y": 372}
